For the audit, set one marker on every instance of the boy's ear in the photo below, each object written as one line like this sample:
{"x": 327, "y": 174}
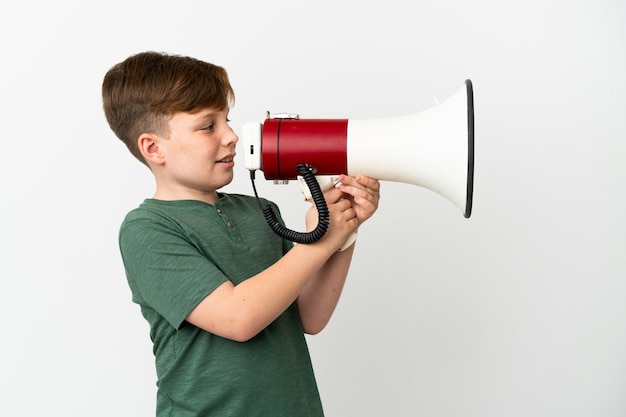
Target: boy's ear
{"x": 148, "y": 144}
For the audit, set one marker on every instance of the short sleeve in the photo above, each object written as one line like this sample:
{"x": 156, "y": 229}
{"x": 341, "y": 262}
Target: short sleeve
{"x": 165, "y": 271}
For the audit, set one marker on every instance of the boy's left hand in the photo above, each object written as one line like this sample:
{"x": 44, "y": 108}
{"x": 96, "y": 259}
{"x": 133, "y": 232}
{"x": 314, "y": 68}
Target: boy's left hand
{"x": 363, "y": 192}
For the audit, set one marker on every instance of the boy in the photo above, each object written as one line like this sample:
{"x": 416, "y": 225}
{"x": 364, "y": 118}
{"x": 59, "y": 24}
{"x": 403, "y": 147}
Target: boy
{"x": 228, "y": 301}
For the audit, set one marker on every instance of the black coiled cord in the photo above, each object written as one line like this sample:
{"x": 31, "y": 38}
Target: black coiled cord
{"x": 308, "y": 174}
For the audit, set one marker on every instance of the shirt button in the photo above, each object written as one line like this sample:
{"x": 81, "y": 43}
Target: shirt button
{"x": 219, "y": 211}
{"x": 229, "y": 224}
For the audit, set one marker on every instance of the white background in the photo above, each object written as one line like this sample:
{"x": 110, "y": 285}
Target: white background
{"x": 518, "y": 311}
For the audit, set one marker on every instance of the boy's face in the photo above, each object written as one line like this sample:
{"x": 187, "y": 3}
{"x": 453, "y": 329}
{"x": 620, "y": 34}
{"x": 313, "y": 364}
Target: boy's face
{"x": 198, "y": 155}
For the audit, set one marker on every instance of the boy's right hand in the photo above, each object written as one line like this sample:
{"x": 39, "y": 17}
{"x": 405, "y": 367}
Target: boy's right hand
{"x": 342, "y": 219}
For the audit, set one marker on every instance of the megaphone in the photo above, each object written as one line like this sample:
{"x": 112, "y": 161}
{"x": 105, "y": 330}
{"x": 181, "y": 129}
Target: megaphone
{"x": 433, "y": 149}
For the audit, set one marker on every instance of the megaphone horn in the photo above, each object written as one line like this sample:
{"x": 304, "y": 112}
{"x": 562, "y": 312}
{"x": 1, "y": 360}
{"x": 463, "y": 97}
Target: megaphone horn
{"x": 433, "y": 149}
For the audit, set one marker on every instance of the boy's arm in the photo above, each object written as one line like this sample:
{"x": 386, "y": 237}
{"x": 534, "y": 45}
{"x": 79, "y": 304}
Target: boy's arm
{"x": 317, "y": 301}
{"x": 242, "y": 311}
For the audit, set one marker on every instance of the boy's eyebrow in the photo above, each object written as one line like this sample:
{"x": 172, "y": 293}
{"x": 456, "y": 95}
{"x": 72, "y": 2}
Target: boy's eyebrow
{"x": 206, "y": 113}
{"x": 203, "y": 117}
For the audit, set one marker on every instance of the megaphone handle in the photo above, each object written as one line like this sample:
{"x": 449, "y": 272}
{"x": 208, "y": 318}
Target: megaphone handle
{"x": 326, "y": 182}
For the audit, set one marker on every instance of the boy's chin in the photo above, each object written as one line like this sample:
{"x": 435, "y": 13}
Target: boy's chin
{"x": 227, "y": 179}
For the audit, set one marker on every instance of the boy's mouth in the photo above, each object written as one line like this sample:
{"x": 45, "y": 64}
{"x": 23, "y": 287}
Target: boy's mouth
{"x": 226, "y": 160}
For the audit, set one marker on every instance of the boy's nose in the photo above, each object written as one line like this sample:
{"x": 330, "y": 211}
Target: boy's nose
{"x": 231, "y": 137}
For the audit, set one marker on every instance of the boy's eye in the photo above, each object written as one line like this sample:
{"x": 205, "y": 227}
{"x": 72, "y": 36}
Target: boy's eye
{"x": 209, "y": 127}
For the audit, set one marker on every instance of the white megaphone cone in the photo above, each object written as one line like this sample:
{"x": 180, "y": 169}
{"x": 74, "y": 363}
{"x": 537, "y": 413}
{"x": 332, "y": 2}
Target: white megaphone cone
{"x": 433, "y": 149}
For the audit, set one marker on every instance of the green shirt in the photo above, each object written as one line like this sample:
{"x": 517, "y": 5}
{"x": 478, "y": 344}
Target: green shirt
{"x": 175, "y": 253}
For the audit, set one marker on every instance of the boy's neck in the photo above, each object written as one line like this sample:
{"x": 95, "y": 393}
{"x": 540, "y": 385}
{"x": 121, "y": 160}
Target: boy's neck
{"x": 172, "y": 195}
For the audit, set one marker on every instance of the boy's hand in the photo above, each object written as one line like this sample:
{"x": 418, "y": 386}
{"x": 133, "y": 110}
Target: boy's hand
{"x": 342, "y": 217}
{"x": 364, "y": 194}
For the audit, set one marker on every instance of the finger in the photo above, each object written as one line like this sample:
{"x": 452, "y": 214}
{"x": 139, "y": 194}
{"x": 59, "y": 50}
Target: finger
{"x": 360, "y": 181}
{"x": 371, "y": 183}
{"x": 359, "y": 191}
{"x": 333, "y": 195}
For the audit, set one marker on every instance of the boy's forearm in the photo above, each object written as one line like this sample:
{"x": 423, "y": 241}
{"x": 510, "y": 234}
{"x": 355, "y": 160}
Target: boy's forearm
{"x": 318, "y": 299}
{"x": 281, "y": 284}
